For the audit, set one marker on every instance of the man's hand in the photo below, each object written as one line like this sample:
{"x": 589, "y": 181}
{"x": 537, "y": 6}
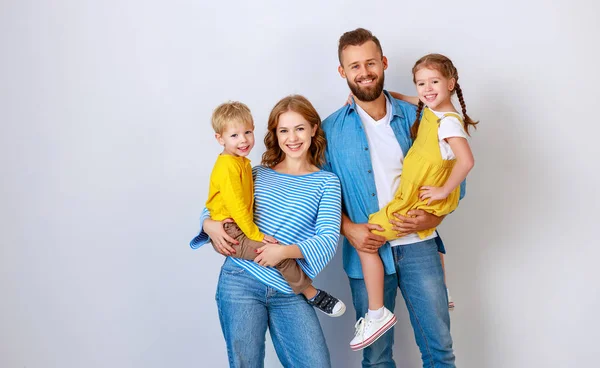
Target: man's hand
{"x": 418, "y": 220}
{"x": 219, "y": 239}
{"x": 361, "y": 237}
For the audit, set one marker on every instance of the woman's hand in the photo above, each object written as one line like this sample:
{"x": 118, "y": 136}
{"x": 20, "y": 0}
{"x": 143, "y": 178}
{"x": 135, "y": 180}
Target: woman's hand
{"x": 270, "y": 255}
{"x": 218, "y": 237}
{"x": 268, "y": 239}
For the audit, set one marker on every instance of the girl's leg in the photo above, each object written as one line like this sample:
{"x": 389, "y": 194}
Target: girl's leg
{"x": 450, "y": 301}
{"x": 373, "y": 273}
{"x": 379, "y": 354}
{"x": 243, "y": 315}
{"x": 297, "y": 335}
{"x": 443, "y": 266}
{"x": 378, "y": 319}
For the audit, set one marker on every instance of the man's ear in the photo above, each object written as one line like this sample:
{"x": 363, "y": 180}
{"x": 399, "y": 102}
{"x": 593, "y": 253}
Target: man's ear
{"x": 385, "y": 62}
{"x": 342, "y": 72}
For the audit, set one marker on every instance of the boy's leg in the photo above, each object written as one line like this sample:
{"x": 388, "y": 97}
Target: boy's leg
{"x": 379, "y": 354}
{"x": 246, "y": 249}
{"x": 293, "y": 274}
{"x": 302, "y": 284}
{"x": 422, "y": 285}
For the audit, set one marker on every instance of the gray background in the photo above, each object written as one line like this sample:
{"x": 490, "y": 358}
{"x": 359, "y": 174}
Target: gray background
{"x": 106, "y": 148}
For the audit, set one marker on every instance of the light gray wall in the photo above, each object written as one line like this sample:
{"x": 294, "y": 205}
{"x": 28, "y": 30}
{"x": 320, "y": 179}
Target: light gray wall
{"x": 106, "y": 148}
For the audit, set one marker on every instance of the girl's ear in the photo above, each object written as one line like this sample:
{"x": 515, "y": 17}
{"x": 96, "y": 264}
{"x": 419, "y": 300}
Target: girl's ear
{"x": 451, "y": 84}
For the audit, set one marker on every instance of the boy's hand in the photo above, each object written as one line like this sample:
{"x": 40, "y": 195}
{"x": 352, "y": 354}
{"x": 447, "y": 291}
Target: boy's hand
{"x": 433, "y": 193}
{"x": 268, "y": 239}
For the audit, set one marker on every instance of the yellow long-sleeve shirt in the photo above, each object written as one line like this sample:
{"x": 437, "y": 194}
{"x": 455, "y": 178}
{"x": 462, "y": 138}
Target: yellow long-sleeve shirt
{"x": 231, "y": 194}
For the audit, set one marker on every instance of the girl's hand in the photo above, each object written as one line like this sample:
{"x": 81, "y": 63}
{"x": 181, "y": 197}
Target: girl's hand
{"x": 268, "y": 239}
{"x": 433, "y": 193}
{"x": 349, "y": 100}
{"x": 270, "y": 255}
{"x": 218, "y": 237}
{"x": 410, "y": 99}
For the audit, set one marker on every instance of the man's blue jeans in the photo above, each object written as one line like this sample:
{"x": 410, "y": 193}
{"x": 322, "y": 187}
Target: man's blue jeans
{"x": 247, "y": 307}
{"x": 420, "y": 277}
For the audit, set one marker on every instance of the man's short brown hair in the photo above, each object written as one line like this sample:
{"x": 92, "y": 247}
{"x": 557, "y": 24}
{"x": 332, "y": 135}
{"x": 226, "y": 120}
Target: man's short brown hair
{"x": 356, "y": 38}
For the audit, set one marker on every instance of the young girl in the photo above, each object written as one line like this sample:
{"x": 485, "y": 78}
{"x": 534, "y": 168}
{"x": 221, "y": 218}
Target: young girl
{"x": 433, "y": 169}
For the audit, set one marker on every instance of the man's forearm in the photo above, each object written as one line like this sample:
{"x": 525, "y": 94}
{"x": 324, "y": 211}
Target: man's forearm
{"x": 345, "y": 223}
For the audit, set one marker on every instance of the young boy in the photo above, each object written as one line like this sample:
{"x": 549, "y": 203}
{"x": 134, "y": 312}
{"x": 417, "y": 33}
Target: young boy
{"x": 231, "y": 195}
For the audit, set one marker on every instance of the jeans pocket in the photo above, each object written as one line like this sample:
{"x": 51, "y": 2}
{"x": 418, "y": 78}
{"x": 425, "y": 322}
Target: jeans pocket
{"x": 230, "y": 268}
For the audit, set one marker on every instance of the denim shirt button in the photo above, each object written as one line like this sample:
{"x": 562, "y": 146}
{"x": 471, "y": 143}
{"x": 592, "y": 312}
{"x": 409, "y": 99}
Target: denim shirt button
{"x": 369, "y": 171}
{"x": 373, "y": 194}
{"x": 366, "y": 148}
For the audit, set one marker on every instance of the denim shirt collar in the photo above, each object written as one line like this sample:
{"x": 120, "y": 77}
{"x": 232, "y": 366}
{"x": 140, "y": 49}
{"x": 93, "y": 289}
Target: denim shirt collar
{"x": 396, "y": 111}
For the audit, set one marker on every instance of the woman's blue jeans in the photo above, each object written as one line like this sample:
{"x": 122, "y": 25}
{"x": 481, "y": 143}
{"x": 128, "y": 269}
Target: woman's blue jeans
{"x": 247, "y": 307}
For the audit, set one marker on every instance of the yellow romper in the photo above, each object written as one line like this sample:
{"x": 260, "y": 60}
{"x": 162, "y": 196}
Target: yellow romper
{"x": 423, "y": 165}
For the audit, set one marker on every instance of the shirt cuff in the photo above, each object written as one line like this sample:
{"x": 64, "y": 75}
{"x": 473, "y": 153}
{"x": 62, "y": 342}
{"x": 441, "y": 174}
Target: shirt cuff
{"x": 202, "y": 237}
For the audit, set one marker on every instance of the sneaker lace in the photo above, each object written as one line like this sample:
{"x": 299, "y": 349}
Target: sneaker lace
{"x": 359, "y": 326}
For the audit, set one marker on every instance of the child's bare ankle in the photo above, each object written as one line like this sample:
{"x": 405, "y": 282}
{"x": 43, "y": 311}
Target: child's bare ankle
{"x": 309, "y": 292}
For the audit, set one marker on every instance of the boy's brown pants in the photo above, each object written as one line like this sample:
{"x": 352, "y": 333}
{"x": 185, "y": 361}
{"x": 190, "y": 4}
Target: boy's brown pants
{"x": 289, "y": 268}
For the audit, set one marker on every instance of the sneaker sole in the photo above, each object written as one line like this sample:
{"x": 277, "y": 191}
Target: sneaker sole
{"x": 337, "y": 314}
{"x": 385, "y": 328}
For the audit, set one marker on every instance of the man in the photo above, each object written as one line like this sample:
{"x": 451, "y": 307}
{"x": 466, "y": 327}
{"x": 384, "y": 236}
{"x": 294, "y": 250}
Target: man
{"x": 366, "y": 143}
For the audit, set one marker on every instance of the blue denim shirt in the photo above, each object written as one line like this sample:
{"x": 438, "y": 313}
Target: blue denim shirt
{"x": 348, "y": 156}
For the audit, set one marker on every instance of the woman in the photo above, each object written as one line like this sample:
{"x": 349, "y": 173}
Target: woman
{"x": 300, "y": 205}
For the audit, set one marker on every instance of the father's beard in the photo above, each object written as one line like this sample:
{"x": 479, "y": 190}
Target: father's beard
{"x": 367, "y": 94}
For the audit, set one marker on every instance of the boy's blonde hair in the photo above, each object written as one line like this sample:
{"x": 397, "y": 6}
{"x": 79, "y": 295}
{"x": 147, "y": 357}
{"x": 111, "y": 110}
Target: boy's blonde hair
{"x": 230, "y": 112}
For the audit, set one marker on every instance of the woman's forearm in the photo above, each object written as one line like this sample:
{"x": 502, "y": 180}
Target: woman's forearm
{"x": 292, "y": 251}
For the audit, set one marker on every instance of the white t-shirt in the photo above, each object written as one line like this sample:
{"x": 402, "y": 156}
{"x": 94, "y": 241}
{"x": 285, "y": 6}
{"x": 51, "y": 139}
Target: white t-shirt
{"x": 387, "y": 159}
{"x": 450, "y": 127}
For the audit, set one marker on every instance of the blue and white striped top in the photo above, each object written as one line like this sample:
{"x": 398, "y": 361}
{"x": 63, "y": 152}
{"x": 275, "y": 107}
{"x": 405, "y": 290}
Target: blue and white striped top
{"x": 304, "y": 210}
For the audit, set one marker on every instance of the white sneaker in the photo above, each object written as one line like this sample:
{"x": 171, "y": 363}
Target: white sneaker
{"x": 369, "y": 330}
